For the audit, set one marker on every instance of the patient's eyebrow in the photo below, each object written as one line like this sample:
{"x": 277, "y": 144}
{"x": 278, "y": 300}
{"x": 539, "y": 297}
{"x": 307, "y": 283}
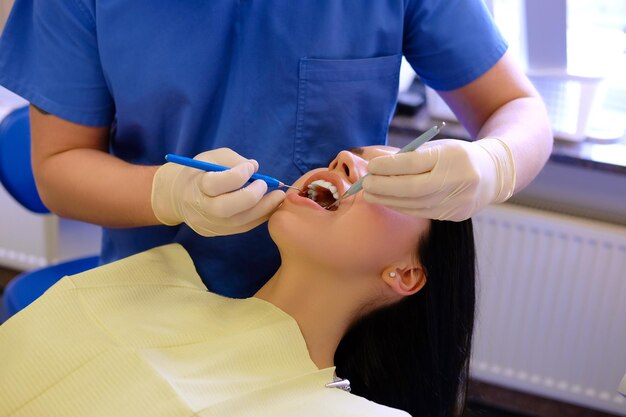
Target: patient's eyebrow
{"x": 357, "y": 151}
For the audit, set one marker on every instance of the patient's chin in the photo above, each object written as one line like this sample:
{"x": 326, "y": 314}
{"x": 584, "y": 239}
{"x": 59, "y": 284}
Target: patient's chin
{"x": 281, "y": 226}
{"x": 304, "y": 241}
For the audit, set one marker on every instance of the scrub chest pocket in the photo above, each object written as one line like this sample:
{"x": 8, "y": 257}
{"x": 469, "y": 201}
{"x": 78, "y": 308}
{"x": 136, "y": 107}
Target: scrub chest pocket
{"x": 343, "y": 104}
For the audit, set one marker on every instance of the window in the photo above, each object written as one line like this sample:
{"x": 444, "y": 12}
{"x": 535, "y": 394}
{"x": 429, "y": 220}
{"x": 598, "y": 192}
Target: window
{"x": 597, "y": 31}
{"x": 575, "y": 37}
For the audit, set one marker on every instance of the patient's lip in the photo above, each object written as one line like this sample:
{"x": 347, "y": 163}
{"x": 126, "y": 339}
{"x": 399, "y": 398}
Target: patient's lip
{"x": 296, "y": 198}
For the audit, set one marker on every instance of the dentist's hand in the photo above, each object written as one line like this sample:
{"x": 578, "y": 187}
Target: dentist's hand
{"x": 445, "y": 179}
{"x": 213, "y": 203}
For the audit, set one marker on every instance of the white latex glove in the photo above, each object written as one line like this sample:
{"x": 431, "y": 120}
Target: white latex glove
{"x": 213, "y": 203}
{"x": 445, "y": 179}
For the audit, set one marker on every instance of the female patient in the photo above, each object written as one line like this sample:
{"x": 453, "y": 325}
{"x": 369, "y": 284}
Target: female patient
{"x": 363, "y": 293}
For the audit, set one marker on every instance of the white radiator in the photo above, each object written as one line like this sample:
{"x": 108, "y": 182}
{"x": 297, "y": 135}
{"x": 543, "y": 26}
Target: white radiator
{"x": 551, "y": 306}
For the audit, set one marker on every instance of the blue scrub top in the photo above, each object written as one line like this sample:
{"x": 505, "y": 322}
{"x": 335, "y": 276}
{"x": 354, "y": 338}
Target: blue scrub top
{"x": 288, "y": 83}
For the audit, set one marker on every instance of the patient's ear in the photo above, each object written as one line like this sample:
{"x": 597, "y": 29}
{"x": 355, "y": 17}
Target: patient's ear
{"x": 404, "y": 279}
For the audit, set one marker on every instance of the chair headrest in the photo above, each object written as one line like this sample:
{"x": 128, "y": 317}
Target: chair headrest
{"x": 16, "y": 172}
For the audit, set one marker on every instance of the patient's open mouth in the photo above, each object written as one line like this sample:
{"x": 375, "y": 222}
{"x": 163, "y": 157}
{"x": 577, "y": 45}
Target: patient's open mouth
{"x": 323, "y": 193}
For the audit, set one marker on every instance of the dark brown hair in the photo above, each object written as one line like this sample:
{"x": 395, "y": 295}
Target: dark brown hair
{"x": 414, "y": 355}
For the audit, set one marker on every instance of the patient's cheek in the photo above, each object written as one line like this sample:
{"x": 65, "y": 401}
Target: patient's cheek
{"x": 362, "y": 236}
{"x": 377, "y": 235}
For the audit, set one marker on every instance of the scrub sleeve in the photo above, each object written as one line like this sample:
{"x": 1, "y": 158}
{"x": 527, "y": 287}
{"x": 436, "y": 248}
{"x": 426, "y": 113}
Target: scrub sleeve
{"x": 289, "y": 84}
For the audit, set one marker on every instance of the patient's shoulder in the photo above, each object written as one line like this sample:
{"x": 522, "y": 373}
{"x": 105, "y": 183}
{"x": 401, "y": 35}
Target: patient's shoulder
{"x": 168, "y": 265}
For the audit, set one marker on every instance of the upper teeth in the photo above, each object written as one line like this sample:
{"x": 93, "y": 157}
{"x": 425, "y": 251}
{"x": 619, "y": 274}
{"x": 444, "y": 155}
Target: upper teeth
{"x": 321, "y": 183}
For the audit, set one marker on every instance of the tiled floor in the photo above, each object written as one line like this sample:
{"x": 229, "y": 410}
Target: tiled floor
{"x": 484, "y": 400}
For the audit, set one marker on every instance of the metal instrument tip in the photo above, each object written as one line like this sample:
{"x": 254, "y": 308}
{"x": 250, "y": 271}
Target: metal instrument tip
{"x": 289, "y": 186}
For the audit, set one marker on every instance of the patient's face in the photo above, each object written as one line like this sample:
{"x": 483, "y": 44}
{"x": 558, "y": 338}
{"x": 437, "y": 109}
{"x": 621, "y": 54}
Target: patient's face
{"x": 357, "y": 236}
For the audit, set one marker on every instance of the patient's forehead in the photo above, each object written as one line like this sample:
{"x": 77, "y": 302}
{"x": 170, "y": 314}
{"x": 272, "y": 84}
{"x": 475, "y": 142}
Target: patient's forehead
{"x": 369, "y": 152}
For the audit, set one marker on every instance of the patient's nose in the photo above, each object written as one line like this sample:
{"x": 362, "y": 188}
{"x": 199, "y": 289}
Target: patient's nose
{"x": 349, "y": 165}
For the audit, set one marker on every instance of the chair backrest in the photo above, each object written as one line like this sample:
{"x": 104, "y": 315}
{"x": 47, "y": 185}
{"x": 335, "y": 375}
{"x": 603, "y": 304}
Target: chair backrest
{"x": 16, "y": 172}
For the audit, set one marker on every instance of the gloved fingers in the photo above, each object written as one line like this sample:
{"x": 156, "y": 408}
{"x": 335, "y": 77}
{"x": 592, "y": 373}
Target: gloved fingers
{"x": 206, "y": 230}
{"x": 401, "y": 202}
{"x": 419, "y": 213}
{"x": 217, "y": 183}
{"x": 261, "y": 211}
{"x": 439, "y": 202}
{"x": 438, "y": 213}
{"x": 223, "y": 229}
{"x": 239, "y": 223}
{"x": 214, "y": 229}
{"x": 411, "y": 203}
{"x": 416, "y": 162}
{"x": 227, "y": 205}
{"x": 226, "y": 157}
{"x": 403, "y": 185}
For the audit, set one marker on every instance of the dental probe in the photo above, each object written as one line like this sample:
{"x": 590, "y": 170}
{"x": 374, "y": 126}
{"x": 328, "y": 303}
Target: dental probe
{"x": 207, "y": 166}
{"x": 411, "y": 146}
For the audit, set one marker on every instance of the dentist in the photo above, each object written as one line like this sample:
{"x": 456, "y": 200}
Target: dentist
{"x": 114, "y": 86}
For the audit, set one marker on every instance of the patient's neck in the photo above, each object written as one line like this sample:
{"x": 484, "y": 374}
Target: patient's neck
{"x": 324, "y": 306}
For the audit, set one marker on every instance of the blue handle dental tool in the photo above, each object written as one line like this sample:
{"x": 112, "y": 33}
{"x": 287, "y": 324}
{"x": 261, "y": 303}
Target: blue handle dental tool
{"x": 207, "y": 166}
{"x": 411, "y": 146}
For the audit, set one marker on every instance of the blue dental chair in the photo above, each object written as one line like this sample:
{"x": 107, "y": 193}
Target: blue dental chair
{"x": 16, "y": 176}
